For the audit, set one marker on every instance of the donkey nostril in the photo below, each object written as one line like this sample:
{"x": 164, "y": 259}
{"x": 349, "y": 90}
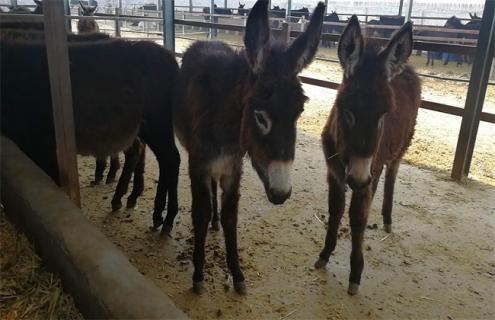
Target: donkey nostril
{"x": 277, "y": 196}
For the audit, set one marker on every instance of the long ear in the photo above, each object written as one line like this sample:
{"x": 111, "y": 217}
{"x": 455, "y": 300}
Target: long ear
{"x": 398, "y": 50}
{"x": 351, "y": 45}
{"x": 303, "y": 49}
{"x": 257, "y": 35}
{"x": 471, "y": 16}
{"x": 83, "y": 7}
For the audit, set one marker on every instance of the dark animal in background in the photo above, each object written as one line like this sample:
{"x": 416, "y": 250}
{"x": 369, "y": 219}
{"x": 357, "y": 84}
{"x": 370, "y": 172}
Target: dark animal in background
{"x": 230, "y": 103}
{"x": 216, "y": 10}
{"x": 303, "y": 12}
{"x": 384, "y": 21}
{"x": 86, "y": 25}
{"x": 277, "y": 12}
{"x": 130, "y": 86}
{"x": 331, "y": 29}
{"x": 23, "y": 24}
{"x": 242, "y": 11}
{"x": 370, "y": 126}
{"x": 37, "y": 10}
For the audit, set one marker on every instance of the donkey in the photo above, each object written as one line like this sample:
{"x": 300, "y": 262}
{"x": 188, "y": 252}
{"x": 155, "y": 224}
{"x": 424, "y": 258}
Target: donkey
{"x": 87, "y": 25}
{"x": 132, "y": 84}
{"x": 371, "y": 125}
{"x": 232, "y": 103}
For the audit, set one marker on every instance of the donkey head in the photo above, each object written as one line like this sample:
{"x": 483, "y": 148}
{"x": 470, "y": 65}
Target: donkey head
{"x": 275, "y": 98}
{"x": 241, "y": 6}
{"x": 365, "y": 96}
{"x": 39, "y": 7}
{"x": 453, "y": 23}
{"x": 87, "y": 10}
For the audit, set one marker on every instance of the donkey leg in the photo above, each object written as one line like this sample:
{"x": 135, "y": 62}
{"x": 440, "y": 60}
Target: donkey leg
{"x": 172, "y": 164}
{"x": 201, "y": 215}
{"x": 358, "y": 213}
{"x": 100, "y": 167}
{"x": 138, "y": 183}
{"x": 215, "y": 224}
{"x": 336, "y": 206}
{"x": 376, "y": 178}
{"x": 230, "y": 202}
{"x": 114, "y": 167}
{"x": 131, "y": 159}
{"x": 388, "y": 195}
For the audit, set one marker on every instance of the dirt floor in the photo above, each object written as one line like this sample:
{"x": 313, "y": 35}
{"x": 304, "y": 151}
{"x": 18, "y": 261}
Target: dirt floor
{"x": 438, "y": 263}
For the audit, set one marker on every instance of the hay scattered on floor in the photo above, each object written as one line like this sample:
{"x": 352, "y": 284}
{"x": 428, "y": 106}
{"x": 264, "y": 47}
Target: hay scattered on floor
{"x": 27, "y": 289}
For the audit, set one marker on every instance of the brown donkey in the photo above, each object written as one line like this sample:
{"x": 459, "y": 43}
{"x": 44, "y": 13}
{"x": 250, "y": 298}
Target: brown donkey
{"x": 231, "y": 103}
{"x": 371, "y": 125}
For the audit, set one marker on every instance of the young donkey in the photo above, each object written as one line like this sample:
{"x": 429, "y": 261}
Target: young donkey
{"x": 371, "y": 125}
{"x": 87, "y": 25}
{"x": 231, "y": 103}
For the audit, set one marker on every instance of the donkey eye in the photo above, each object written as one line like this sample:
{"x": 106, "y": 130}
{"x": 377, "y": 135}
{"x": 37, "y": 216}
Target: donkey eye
{"x": 263, "y": 121}
{"x": 349, "y": 118}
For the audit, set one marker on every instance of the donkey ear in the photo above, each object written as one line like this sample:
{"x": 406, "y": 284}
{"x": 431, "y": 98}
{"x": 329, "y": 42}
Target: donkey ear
{"x": 303, "y": 49}
{"x": 83, "y": 7}
{"x": 92, "y": 10}
{"x": 257, "y": 35}
{"x": 398, "y": 50}
{"x": 351, "y": 45}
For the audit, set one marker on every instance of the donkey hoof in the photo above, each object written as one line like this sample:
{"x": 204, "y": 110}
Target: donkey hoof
{"x": 131, "y": 204}
{"x": 387, "y": 228}
{"x": 95, "y": 182}
{"x": 110, "y": 180}
{"x": 116, "y": 205}
{"x": 198, "y": 287}
{"x": 240, "y": 287}
{"x": 353, "y": 289}
{"x": 215, "y": 225}
{"x": 320, "y": 263}
{"x": 166, "y": 230}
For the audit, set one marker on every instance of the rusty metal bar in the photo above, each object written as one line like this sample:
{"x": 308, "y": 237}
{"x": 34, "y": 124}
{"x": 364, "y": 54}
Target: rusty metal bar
{"x": 476, "y": 94}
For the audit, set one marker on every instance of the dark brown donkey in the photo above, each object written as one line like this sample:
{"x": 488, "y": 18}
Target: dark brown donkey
{"x": 371, "y": 125}
{"x": 234, "y": 102}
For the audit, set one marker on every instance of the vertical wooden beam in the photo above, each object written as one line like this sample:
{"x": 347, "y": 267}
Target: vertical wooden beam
{"x": 285, "y": 36}
{"x": 61, "y": 93}
{"x": 401, "y": 4}
{"x": 225, "y": 4}
{"x": 326, "y": 7}
{"x": 475, "y": 96}
{"x": 168, "y": 24}
{"x": 190, "y": 5}
{"x": 289, "y": 8}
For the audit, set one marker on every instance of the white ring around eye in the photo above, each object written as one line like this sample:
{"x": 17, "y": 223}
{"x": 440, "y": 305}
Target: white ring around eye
{"x": 263, "y": 121}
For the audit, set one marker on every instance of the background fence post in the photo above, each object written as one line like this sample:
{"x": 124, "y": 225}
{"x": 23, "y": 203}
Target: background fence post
{"x": 476, "y": 93}
{"x": 285, "y": 36}
{"x": 169, "y": 24}
{"x": 117, "y": 22}
{"x": 61, "y": 94}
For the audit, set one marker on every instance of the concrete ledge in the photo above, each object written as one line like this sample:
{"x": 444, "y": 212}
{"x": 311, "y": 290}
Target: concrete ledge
{"x": 102, "y": 281}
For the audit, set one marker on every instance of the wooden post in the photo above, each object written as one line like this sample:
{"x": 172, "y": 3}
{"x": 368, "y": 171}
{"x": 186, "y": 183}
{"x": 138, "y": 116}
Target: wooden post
{"x": 61, "y": 93}
{"x": 401, "y": 4}
{"x": 326, "y": 7}
{"x": 190, "y": 5}
{"x": 476, "y": 93}
{"x": 168, "y": 24}
{"x": 285, "y": 36}
{"x": 289, "y": 8}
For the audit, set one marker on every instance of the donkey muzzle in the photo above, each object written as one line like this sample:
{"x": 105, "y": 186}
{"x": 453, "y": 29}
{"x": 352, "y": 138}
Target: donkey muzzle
{"x": 358, "y": 172}
{"x": 279, "y": 181}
